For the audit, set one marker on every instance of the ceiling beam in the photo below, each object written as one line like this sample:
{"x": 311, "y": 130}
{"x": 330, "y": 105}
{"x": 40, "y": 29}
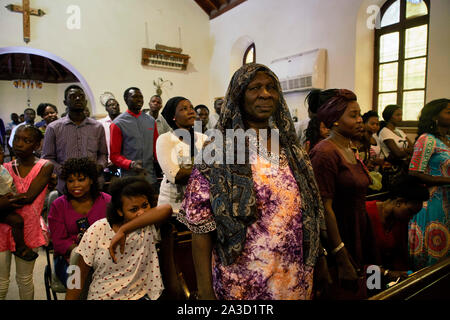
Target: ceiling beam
{"x": 229, "y": 6}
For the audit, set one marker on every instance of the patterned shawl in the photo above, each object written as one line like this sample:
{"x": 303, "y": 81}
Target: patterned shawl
{"x": 232, "y": 195}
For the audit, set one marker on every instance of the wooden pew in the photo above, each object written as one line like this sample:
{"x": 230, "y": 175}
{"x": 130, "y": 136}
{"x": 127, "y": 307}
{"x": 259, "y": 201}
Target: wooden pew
{"x": 430, "y": 283}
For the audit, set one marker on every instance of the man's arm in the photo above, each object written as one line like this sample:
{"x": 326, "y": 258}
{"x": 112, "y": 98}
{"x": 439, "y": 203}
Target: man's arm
{"x": 116, "y": 148}
{"x": 102, "y": 153}
{"x": 49, "y": 149}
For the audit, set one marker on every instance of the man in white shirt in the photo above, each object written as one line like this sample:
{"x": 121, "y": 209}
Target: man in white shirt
{"x": 213, "y": 118}
{"x": 112, "y": 107}
{"x": 30, "y": 116}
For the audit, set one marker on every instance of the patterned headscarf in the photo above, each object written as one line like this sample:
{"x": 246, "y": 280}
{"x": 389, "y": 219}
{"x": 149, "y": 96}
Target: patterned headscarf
{"x": 332, "y": 110}
{"x": 232, "y": 196}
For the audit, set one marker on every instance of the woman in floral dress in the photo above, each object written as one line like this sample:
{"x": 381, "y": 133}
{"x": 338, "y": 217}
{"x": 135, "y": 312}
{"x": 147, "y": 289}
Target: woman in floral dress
{"x": 429, "y": 229}
{"x": 255, "y": 225}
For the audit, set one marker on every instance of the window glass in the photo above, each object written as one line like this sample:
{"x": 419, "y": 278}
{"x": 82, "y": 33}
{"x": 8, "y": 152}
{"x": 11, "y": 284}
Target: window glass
{"x": 384, "y": 99}
{"x": 389, "y": 44}
{"x": 415, "y": 8}
{"x": 250, "y": 57}
{"x": 415, "y": 71}
{"x": 388, "y": 77}
{"x": 392, "y": 15}
{"x": 416, "y": 41}
{"x": 413, "y": 102}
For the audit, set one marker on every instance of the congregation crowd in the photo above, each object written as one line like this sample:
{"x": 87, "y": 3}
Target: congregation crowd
{"x": 344, "y": 191}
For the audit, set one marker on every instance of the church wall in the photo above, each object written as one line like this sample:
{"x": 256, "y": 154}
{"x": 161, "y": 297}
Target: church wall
{"x": 106, "y": 49}
{"x": 283, "y": 28}
{"x": 15, "y": 99}
{"x": 286, "y": 27}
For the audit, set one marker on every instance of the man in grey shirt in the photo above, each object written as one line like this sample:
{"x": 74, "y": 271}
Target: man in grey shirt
{"x": 155, "y": 105}
{"x": 74, "y": 136}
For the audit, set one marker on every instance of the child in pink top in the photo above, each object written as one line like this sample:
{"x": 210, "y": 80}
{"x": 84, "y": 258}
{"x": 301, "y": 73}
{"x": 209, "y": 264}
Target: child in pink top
{"x": 31, "y": 176}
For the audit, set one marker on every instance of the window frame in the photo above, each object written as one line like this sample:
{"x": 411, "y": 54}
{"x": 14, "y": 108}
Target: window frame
{"x": 400, "y": 27}
{"x": 250, "y": 47}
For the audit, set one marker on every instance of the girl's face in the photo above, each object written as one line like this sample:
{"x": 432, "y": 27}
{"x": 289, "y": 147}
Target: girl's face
{"x": 404, "y": 210}
{"x": 350, "y": 124}
{"x": 372, "y": 125}
{"x": 24, "y": 143}
{"x": 185, "y": 114}
{"x": 444, "y": 117}
{"x": 133, "y": 207}
{"x": 78, "y": 185}
{"x": 324, "y": 131}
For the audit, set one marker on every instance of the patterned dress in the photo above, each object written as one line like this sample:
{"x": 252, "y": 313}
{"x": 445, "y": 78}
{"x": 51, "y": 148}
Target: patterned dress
{"x": 271, "y": 265}
{"x": 30, "y": 213}
{"x": 429, "y": 229}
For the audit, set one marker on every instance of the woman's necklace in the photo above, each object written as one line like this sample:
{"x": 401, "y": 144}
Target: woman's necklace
{"x": 349, "y": 154}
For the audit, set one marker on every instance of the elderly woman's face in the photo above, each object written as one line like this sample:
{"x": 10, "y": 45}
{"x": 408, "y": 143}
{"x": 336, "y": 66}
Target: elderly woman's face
{"x": 185, "y": 114}
{"x": 261, "y": 98}
{"x": 350, "y": 124}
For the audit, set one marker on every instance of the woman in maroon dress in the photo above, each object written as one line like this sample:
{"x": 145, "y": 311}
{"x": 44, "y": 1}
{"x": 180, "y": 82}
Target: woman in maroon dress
{"x": 343, "y": 181}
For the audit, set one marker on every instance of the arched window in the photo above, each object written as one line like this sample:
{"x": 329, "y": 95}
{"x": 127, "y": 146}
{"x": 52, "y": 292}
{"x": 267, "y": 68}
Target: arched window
{"x": 401, "y": 56}
{"x": 250, "y": 54}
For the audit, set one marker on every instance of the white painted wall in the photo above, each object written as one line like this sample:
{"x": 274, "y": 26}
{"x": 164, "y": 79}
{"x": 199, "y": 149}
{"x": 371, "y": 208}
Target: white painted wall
{"x": 282, "y": 28}
{"x": 106, "y": 50}
{"x": 438, "y": 85}
{"x": 15, "y": 99}
{"x": 286, "y": 27}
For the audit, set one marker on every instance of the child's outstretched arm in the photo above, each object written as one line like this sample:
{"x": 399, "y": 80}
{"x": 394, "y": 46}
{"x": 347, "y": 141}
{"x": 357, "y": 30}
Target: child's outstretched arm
{"x": 36, "y": 187}
{"x": 152, "y": 216}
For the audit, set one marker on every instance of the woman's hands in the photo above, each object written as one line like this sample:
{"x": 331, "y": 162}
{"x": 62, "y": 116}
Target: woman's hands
{"x": 118, "y": 239}
{"x": 347, "y": 275}
{"x": 322, "y": 278}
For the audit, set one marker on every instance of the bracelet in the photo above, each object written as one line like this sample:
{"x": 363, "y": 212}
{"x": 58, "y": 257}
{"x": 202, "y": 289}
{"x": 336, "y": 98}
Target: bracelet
{"x": 339, "y": 247}
{"x": 324, "y": 253}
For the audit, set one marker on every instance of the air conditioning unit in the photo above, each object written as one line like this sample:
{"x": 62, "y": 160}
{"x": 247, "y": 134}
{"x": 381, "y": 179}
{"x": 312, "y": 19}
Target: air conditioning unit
{"x": 301, "y": 72}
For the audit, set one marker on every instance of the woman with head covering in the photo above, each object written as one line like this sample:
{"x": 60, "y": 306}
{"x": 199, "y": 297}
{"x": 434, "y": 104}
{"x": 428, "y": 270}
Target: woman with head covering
{"x": 176, "y": 149}
{"x": 429, "y": 230}
{"x": 343, "y": 180}
{"x": 255, "y": 224}
{"x": 314, "y": 99}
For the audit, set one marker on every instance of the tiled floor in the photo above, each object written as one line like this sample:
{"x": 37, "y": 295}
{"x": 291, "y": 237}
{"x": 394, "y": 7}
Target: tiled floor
{"x": 39, "y": 285}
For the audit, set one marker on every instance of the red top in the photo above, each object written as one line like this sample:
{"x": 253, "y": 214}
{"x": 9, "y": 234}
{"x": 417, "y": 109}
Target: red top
{"x": 392, "y": 245}
{"x": 116, "y": 144}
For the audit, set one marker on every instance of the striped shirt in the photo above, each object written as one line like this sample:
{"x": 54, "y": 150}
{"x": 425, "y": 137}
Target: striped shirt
{"x": 64, "y": 140}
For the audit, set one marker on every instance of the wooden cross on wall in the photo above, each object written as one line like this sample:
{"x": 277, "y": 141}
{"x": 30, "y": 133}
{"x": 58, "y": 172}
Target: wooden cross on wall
{"x": 26, "y": 11}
